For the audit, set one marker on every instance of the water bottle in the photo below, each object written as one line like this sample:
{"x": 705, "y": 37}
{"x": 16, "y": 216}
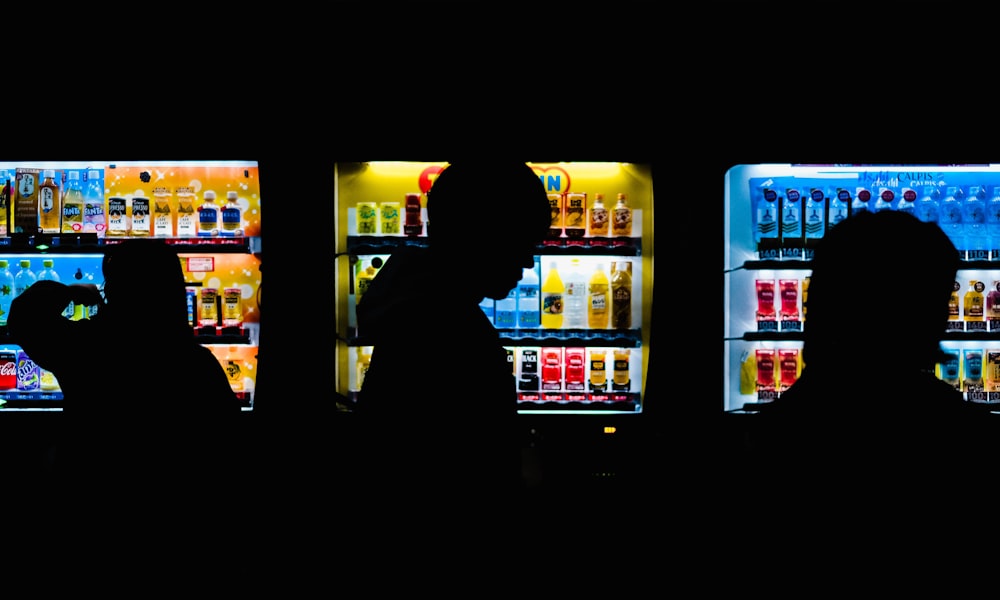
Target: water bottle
{"x": 974, "y": 224}
{"x": 528, "y": 308}
{"x": 24, "y": 278}
{"x": 6, "y": 290}
{"x": 505, "y": 315}
{"x": 575, "y": 296}
{"x": 993, "y": 221}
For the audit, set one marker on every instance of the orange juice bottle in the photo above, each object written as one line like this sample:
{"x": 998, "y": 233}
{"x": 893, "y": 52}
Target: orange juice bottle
{"x": 598, "y": 299}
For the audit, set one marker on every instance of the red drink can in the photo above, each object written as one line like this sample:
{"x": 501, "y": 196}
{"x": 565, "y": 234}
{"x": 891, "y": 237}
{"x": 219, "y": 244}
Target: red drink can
{"x": 8, "y": 370}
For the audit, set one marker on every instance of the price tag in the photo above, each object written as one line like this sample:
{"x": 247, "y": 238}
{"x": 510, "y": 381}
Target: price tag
{"x": 977, "y": 255}
{"x": 791, "y": 325}
{"x": 955, "y": 326}
{"x": 975, "y": 325}
{"x": 200, "y": 264}
{"x": 767, "y": 326}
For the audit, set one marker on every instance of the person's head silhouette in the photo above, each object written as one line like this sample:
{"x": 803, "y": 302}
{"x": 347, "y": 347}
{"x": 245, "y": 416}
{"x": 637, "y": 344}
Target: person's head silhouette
{"x": 487, "y": 217}
{"x": 878, "y": 293}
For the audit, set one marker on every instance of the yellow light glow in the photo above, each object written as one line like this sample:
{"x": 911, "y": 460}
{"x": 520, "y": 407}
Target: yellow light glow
{"x": 589, "y": 169}
{"x": 397, "y": 168}
{"x": 610, "y": 429}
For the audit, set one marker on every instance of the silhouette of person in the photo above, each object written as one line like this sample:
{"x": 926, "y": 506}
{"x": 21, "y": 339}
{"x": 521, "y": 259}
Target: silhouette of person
{"x": 868, "y": 436}
{"x": 146, "y": 405}
{"x": 439, "y": 398}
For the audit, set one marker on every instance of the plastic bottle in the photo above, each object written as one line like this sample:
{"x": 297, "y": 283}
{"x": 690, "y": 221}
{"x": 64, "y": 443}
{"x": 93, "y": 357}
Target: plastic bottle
{"x": 598, "y": 217}
{"x": 94, "y": 219}
{"x": 528, "y": 299}
{"x": 231, "y": 216}
{"x": 621, "y": 225}
{"x": 366, "y": 272}
{"x": 506, "y": 311}
{"x": 993, "y": 221}
{"x": 839, "y": 206}
{"x": 974, "y": 223}
{"x": 950, "y": 217}
{"x": 6, "y": 290}
{"x": 208, "y": 216}
{"x": 575, "y": 296}
{"x": 862, "y": 202}
{"x": 993, "y": 307}
{"x": 49, "y": 203}
{"x": 907, "y": 201}
{"x": 927, "y": 205}
{"x": 24, "y": 278}
{"x": 72, "y": 204}
{"x": 621, "y": 295}
{"x": 552, "y": 299}
{"x": 973, "y": 305}
{"x": 885, "y": 200}
{"x": 599, "y": 299}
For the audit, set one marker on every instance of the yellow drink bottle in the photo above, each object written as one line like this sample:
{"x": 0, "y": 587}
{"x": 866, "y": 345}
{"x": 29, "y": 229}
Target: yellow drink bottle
{"x": 954, "y": 308}
{"x": 552, "y": 299}
{"x": 974, "y": 308}
{"x": 598, "y": 299}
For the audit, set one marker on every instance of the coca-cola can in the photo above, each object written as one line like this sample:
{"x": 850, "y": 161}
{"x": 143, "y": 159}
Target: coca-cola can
{"x": 8, "y": 370}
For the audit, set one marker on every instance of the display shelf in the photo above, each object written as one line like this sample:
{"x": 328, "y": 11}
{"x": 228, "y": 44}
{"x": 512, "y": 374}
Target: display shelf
{"x": 605, "y": 246}
{"x": 517, "y": 337}
{"x": 73, "y": 243}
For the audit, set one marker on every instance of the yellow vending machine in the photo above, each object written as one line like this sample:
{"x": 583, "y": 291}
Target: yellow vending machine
{"x": 590, "y": 359}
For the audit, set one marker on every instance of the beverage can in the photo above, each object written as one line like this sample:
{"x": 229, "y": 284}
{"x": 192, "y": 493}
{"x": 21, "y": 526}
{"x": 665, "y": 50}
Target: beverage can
{"x": 8, "y": 370}
{"x": 208, "y": 311}
{"x": 232, "y": 307}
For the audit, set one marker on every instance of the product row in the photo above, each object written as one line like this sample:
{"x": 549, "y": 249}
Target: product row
{"x": 574, "y": 217}
{"x": 566, "y": 293}
{"x": 765, "y": 372}
{"x": 22, "y": 379}
{"x": 68, "y": 201}
{"x": 789, "y": 214}
{"x": 580, "y": 374}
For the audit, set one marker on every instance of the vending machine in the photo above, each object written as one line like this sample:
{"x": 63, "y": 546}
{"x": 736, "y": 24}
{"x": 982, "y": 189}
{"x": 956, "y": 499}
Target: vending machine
{"x": 577, "y": 326}
{"x": 775, "y": 214}
{"x": 56, "y": 219}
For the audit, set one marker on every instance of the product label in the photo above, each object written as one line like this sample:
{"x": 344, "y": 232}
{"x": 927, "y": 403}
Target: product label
{"x": 140, "y": 216}
{"x": 28, "y": 373}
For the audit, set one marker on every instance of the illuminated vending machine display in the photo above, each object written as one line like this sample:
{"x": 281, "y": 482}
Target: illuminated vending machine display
{"x": 56, "y": 219}
{"x": 775, "y": 214}
{"x": 576, "y": 327}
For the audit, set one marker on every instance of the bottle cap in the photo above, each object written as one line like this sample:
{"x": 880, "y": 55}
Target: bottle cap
{"x": 209, "y": 195}
{"x": 93, "y": 174}
{"x": 25, "y": 264}
{"x": 232, "y": 195}
{"x": 73, "y": 175}
{"x": 49, "y": 173}
{"x": 47, "y": 263}
{"x": 3, "y": 264}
